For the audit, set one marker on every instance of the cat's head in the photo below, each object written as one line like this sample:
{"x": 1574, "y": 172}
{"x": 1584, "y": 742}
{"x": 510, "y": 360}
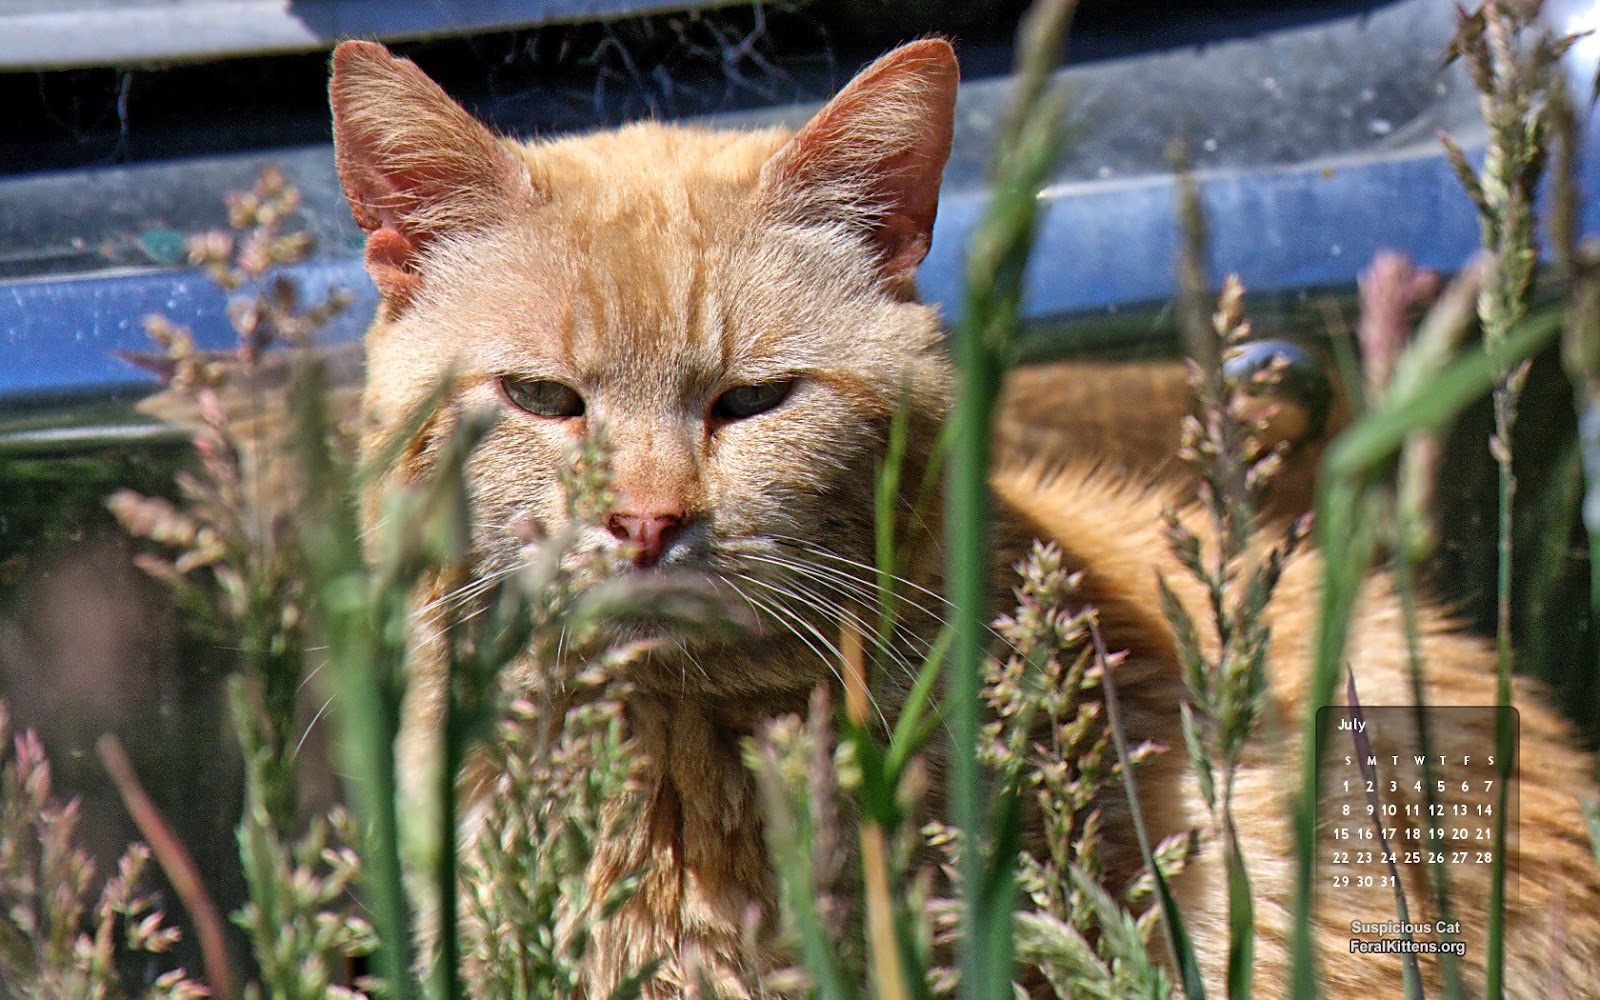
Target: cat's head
{"x": 735, "y": 309}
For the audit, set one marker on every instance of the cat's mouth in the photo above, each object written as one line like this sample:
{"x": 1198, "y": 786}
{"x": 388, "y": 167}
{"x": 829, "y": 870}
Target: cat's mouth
{"x": 671, "y": 605}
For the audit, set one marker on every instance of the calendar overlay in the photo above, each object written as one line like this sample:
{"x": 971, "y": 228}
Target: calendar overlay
{"x": 1387, "y": 813}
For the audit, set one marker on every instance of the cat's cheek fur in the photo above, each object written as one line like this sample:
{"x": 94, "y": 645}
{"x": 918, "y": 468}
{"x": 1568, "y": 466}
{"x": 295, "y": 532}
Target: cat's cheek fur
{"x": 509, "y": 510}
{"x": 773, "y": 478}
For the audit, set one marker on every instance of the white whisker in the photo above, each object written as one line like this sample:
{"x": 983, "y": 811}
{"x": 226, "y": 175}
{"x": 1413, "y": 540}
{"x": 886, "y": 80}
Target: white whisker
{"x": 468, "y": 591}
{"x": 814, "y": 549}
{"x": 851, "y": 587}
{"x": 785, "y": 617}
{"x": 314, "y": 672}
{"x": 309, "y": 726}
{"x": 690, "y": 660}
{"x": 834, "y": 661}
{"x": 841, "y": 613}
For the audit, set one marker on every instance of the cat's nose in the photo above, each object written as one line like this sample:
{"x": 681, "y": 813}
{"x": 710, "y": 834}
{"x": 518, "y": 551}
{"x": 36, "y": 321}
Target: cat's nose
{"x": 650, "y": 534}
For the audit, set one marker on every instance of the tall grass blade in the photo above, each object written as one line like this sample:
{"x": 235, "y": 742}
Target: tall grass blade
{"x": 176, "y": 863}
{"x": 1371, "y": 441}
{"x": 790, "y": 838}
{"x": 1369, "y": 773}
{"x": 1406, "y": 591}
{"x": 1591, "y": 818}
{"x": 887, "y": 491}
{"x": 1178, "y": 939}
{"x": 1514, "y": 60}
{"x": 889, "y": 974}
{"x": 1030, "y": 147}
{"x": 1346, "y": 534}
{"x": 913, "y": 729}
{"x": 1241, "y": 922}
{"x": 365, "y": 632}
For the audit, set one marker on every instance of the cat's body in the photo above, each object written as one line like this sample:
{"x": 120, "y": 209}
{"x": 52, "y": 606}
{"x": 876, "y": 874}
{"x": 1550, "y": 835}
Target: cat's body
{"x": 737, "y": 309}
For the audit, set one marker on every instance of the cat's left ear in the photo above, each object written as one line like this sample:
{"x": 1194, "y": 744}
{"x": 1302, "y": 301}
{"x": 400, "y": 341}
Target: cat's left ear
{"x": 414, "y": 165}
{"x": 874, "y": 155}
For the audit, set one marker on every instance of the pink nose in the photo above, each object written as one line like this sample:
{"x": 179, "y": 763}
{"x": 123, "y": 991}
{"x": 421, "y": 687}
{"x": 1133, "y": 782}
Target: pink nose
{"x": 650, "y": 534}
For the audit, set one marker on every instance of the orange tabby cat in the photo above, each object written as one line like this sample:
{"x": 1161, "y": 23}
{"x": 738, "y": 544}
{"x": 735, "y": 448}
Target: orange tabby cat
{"x": 737, "y": 309}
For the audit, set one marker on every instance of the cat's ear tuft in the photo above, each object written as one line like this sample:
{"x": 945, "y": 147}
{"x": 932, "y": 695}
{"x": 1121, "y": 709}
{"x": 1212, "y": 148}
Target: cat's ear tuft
{"x": 873, "y": 157}
{"x": 413, "y": 163}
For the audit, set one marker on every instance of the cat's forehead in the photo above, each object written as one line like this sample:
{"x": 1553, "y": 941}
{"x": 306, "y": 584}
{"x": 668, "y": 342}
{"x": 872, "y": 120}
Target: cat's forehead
{"x": 643, "y": 293}
{"x": 655, "y": 285}
{"x": 655, "y": 247}
{"x": 604, "y": 171}
{"x": 655, "y": 252}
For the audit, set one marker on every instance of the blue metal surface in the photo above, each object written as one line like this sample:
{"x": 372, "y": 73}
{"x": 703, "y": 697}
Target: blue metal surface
{"x": 1111, "y": 245}
{"x": 59, "y": 337}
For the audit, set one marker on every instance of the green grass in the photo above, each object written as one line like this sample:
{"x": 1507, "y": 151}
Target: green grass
{"x": 1030, "y": 146}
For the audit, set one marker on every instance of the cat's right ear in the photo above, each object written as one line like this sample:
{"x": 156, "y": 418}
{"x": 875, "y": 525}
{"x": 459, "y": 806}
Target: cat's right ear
{"x": 873, "y": 157}
{"x": 413, "y": 163}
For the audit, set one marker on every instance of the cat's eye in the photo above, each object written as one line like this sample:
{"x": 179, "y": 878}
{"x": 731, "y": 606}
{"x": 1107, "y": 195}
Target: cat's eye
{"x": 745, "y": 401}
{"x": 542, "y": 397}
